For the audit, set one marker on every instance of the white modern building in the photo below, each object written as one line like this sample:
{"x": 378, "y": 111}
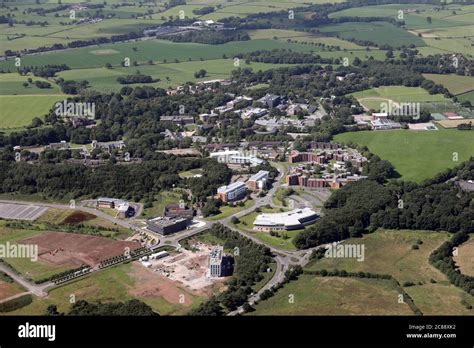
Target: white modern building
{"x": 232, "y": 192}
{"x": 290, "y": 220}
{"x": 235, "y": 157}
{"x": 258, "y": 181}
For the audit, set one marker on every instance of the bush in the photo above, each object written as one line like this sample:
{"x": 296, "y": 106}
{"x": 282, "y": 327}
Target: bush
{"x": 16, "y": 303}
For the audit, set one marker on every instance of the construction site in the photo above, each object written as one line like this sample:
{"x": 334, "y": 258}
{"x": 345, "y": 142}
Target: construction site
{"x": 190, "y": 268}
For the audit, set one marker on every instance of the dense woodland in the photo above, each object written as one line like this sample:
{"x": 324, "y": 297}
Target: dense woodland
{"x": 212, "y": 37}
{"x": 84, "y": 308}
{"x": 128, "y": 181}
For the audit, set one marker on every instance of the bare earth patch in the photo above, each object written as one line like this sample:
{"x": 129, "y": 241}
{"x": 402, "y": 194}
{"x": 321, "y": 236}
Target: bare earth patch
{"x": 69, "y": 249}
{"x": 150, "y": 284}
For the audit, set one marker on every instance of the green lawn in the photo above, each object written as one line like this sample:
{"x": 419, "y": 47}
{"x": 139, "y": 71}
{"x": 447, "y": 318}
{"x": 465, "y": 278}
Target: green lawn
{"x": 161, "y": 200}
{"x": 283, "y": 241}
{"x": 18, "y": 110}
{"x": 190, "y": 173}
{"x": 416, "y": 155}
{"x": 229, "y": 210}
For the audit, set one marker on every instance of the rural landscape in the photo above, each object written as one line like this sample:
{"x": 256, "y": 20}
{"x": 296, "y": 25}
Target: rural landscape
{"x": 237, "y": 158}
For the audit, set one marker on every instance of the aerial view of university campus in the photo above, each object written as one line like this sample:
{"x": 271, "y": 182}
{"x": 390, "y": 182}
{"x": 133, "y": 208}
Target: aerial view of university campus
{"x": 236, "y": 158}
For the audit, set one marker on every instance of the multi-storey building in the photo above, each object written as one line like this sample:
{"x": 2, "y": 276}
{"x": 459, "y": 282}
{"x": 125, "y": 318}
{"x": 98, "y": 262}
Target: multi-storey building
{"x": 232, "y": 192}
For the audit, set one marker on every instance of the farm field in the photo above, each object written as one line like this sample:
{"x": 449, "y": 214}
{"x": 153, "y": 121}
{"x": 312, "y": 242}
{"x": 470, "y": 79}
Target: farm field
{"x": 403, "y": 148}
{"x": 30, "y": 269}
{"x": 377, "y": 32}
{"x": 450, "y": 39}
{"x": 115, "y": 284}
{"x": 465, "y": 257}
{"x": 390, "y": 252}
{"x": 12, "y": 84}
{"x": 18, "y": 110}
{"x": 314, "y": 295}
{"x": 467, "y": 96}
{"x": 414, "y": 15}
{"x": 168, "y": 75}
{"x": 284, "y": 35}
{"x": 374, "y": 97}
{"x": 454, "y": 83}
{"x": 144, "y": 51}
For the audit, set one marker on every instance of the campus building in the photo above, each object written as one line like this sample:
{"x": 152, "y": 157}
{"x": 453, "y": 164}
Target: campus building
{"x": 220, "y": 265}
{"x": 124, "y": 209}
{"x": 232, "y": 192}
{"x": 290, "y": 220}
{"x": 166, "y": 225}
{"x": 258, "y": 181}
{"x": 178, "y": 210}
{"x": 235, "y": 157}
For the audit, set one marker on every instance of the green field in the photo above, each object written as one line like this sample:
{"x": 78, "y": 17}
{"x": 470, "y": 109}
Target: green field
{"x": 12, "y": 83}
{"x": 467, "y": 96}
{"x": 374, "y": 97}
{"x": 416, "y": 155}
{"x": 386, "y": 252}
{"x": 168, "y": 75}
{"x": 228, "y": 210}
{"x": 161, "y": 200}
{"x": 313, "y": 295}
{"x": 448, "y": 31}
{"x": 377, "y": 32}
{"x": 190, "y": 173}
{"x": 18, "y": 110}
{"x": 390, "y": 252}
{"x": 454, "y": 83}
{"x": 412, "y": 19}
{"x": 155, "y": 50}
{"x": 283, "y": 35}
{"x": 110, "y": 285}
